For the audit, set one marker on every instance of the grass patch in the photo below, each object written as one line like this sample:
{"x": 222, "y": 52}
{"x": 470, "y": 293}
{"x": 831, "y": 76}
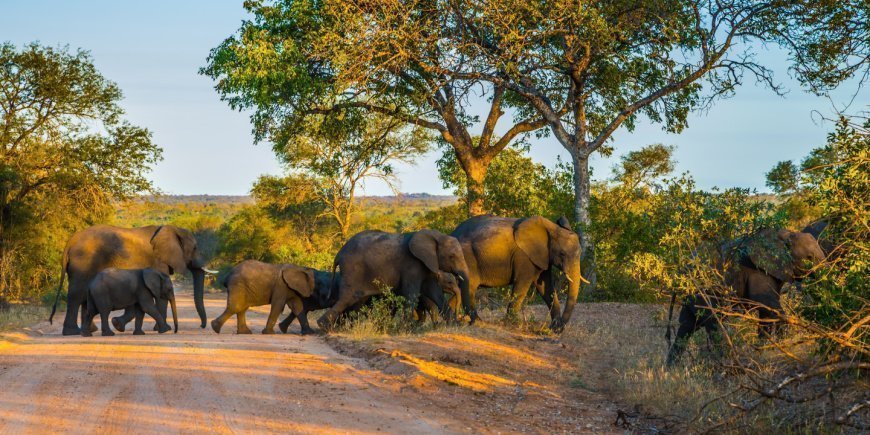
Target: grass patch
{"x": 19, "y": 315}
{"x": 381, "y": 316}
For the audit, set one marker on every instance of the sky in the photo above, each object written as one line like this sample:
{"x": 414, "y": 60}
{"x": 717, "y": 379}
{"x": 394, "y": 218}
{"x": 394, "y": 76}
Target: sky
{"x": 154, "y": 49}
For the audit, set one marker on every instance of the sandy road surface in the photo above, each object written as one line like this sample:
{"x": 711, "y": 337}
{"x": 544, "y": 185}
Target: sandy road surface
{"x": 197, "y": 381}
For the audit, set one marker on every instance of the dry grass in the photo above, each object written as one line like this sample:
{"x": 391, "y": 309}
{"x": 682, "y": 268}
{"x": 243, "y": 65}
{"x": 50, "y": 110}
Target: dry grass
{"x": 20, "y": 315}
{"x": 627, "y": 349}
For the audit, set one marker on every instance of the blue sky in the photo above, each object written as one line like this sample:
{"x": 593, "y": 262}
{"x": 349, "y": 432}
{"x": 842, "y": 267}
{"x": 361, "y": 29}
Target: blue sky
{"x": 153, "y": 50}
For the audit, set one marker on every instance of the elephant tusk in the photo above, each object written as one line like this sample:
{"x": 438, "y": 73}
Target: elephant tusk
{"x": 209, "y": 271}
{"x": 459, "y": 277}
{"x": 584, "y": 280}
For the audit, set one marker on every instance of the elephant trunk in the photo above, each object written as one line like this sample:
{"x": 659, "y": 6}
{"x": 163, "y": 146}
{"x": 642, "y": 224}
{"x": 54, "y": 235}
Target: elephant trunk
{"x": 574, "y": 279}
{"x": 174, "y": 312}
{"x": 198, "y": 290}
{"x": 467, "y": 300}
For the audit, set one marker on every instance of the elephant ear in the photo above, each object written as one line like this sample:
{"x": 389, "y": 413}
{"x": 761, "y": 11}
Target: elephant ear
{"x": 770, "y": 252}
{"x": 564, "y": 223}
{"x": 167, "y": 245}
{"x": 153, "y": 281}
{"x": 424, "y": 246}
{"x": 532, "y": 235}
{"x": 300, "y": 280}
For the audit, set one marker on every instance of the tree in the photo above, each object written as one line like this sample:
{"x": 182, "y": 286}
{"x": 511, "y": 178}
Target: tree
{"x": 784, "y": 178}
{"x": 303, "y": 58}
{"x": 64, "y": 151}
{"x": 295, "y": 198}
{"x": 589, "y": 68}
{"x": 338, "y": 154}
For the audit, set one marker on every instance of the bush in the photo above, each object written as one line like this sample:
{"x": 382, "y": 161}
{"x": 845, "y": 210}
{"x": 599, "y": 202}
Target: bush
{"x": 388, "y": 314}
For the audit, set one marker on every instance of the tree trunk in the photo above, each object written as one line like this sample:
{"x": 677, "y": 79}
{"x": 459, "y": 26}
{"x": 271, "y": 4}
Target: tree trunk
{"x": 582, "y": 195}
{"x": 475, "y": 172}
{"x": 476, "y": 192}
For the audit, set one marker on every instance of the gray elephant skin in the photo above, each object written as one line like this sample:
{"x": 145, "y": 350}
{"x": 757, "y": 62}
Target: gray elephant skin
{"x": 136, "y": 289}
{"x": 373, "y": 262}
{"x": 755, "y": 267}
{"x": 325, "y": 295}
{"x": 254, "y": 283}
{"x": 504, "y": 251}
{"x": 165, "y": 248}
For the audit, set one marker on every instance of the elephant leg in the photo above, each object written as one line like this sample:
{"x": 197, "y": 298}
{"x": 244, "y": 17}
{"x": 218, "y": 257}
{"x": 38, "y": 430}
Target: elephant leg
{"x": 147, "y": 305}
{"x": 689, "y": 323}
{"x": 297, "y": 308}
{"x": 140, "y": 318}
{"x": 278, "y": 301}
{"x": 218, "y": 322}
{"x": 764, "y": 290}
{"x": 242, "y": 323}
{"x": 104, "y": 323}
{"x": 89, "y": 316}
{"x": 120, "y": 322}
{"x": 348, "y": 297}
{"x": 435, "y": 304}
{"x": 546, "y": 287}
{"x": 285, "y": 324}
{"x": 90, "y": 322}
{"x": 75, "y": 297}
{"x": 161, "y": 305}
{"x": 518, "y": 296}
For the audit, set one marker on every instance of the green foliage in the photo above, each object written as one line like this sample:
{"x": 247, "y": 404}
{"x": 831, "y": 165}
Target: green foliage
{"x": 65, "y": 153}
{"x": 514, "y": 185}
{"x": 388, "y": 314}
{"x": 841, "y": 189}
{"x": 783, "y": 178}
{"x": 249, "y": 235}
{"x": 690, "y": 226}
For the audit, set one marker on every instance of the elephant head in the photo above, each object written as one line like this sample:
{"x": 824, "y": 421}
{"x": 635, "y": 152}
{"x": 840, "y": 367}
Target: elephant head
{"x": 442, "y": 253}
{"x": 549, "y": 244}
{"x": 785, "y": 255}
{"x": 299, "y": 279}
{"x": 160, "y": 286}
{"x": 176, "y": 249}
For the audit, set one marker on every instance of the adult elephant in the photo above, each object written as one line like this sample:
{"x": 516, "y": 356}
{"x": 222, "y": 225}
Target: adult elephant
{"x": 165, "y": 248}
{"x": 755, "y": 267}
{"x": 373, "y": 262}
{"x": 504, "y": 251}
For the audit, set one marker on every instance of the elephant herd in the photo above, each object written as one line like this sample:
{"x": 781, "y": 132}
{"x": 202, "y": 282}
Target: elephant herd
{"x": 110, "y": 268}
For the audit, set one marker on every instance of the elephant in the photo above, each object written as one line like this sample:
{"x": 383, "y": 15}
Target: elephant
{"x": 755, "y": 267}
{"x": 165, "y": 248}
{"x": 325, "y": 295}
{"x": 136, "y": 289}
{"x": 253, "y": 283}
{"x": 372, "y": 262}
{"x": 521, "y": 251}
{"x": 448, "y": 284}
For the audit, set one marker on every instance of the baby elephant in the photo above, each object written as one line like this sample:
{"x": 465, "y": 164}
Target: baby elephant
{"x": 325, "y": 295}
{"x": 118, "y": 289}
{"x": 253, "y": 283}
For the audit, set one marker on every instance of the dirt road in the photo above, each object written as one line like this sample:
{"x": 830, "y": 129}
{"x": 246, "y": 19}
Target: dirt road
{"x": 198, "y": 381}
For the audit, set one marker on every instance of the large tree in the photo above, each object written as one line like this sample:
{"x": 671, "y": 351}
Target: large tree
{"x": 301, "y": 58}
{"x": 591, "y": 67}
{"x": 65, "y": 153}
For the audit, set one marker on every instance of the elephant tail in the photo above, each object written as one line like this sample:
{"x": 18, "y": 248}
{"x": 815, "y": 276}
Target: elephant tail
{"x": 63, "y": 265}
{"x": 670, "y": 328}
